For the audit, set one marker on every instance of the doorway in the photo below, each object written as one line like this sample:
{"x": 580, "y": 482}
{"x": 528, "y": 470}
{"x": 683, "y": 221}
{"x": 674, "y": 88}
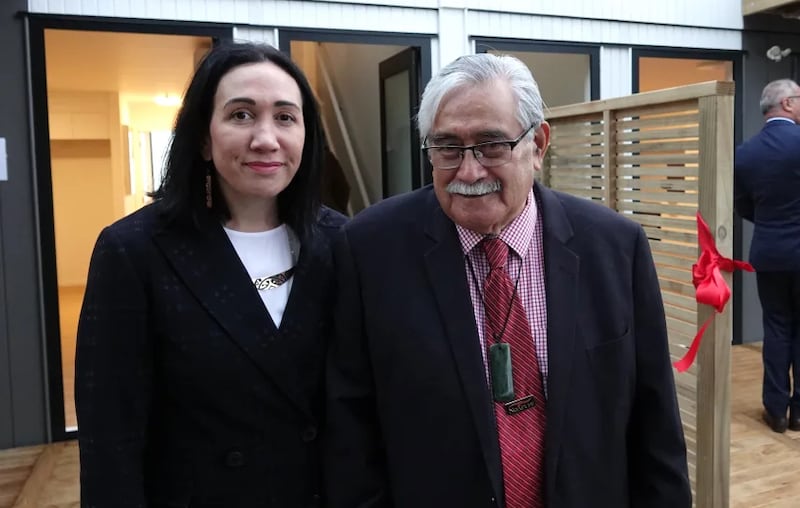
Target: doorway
{"x": 373, "y": 141}
{"x": 99, "y": 91}
{"x": 655, "y": 69}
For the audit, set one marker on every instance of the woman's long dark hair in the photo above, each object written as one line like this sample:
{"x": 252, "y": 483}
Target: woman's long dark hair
{"x": 182, "y": 193}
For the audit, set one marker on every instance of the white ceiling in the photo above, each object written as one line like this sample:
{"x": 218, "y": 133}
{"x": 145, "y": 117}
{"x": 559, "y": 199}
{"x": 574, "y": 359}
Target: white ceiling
{"x": 137, "y": 66}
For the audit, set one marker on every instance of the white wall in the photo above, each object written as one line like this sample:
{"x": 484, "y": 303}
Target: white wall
{"x": 615, "y": 71}
{"x": 82, "y": 203}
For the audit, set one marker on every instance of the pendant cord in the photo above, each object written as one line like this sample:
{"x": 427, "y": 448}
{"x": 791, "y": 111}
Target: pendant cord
{"x": 482, "y": 293}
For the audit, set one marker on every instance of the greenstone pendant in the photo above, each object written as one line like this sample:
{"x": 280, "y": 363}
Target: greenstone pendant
{"x": 500, "y": 371}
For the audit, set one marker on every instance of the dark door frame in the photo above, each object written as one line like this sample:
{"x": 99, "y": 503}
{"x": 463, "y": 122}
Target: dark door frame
{"x": 737, "y": 59}
{"x": 420, "y": 41}
{"x": 408, "y": 59}
{"x": 37, "y": 24}
{"x": 485, "y": 44}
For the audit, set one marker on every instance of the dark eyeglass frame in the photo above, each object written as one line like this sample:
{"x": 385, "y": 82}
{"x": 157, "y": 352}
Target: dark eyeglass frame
{"x": 511, "y": 143}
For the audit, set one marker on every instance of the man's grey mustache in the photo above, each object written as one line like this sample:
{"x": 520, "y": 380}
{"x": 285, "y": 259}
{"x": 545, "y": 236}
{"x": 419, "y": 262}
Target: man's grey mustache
{"x": 474, "y": 189}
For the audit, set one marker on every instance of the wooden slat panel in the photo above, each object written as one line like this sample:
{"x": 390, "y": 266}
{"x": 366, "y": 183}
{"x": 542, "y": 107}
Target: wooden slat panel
{"x": 678, "y": 274}
{"x": 689, "y": 158}
{"x": 639, "y": 207}
{"x": 574, "y": 171}
{"x": 677, "y": 300}
{"x": 674, "y": 236}
{"x": 565, "y": 140}
{"x": 672, "y": 248}
{"x": 577, "y": 160}
{"x": 674, "y": 133}
{"x": 651, "y": 145}
{"x": 676, "y": 287}
{"x": 688, "y": 403}
{"x": 573, "y": 179}
{"x": 577, "y": 128}
{"x": 562, "y": 149}
{"x": 658, "y": 184}
{"x": 598, "y": 193}
{"x": 687, "y": 329}
{"x": 584, "y": 190}
{"x": 659, "y": 197}
{"x": 690, "y": 316}
{"x": 688, "y": 418}
{"x": 677, "y": 351}
{"x": 664, "y": 108}
{"x": 657, "y": 169}
{"x": 653, "y": 220}
{"x": 682, "y": 119}
{"x": 673, "y": 261}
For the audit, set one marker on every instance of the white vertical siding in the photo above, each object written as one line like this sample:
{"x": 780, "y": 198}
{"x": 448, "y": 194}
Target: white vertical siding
{"x": 454, "y": 21}
{"x": 708, "y": 13}
{"x": 453, "y": 38}
{"x": 546, "y": 28}
{"x": 255, "y": 34}
{"x": 280, "y": 13}
{"x": 615, "y": 71}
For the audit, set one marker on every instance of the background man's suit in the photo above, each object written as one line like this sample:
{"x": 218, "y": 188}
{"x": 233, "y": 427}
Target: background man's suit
{"x": 195, "y": 398}
{"x": 409, "y": 412}
{"x": 767, "y": 193}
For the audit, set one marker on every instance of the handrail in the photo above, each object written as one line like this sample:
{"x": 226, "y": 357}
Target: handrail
{"x": 681, "y": 93}
{"x": 321, "y": 60}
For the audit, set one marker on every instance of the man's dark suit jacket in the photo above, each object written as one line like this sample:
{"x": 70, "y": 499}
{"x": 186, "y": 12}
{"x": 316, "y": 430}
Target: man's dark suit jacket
{"x": 187, "y": 395}
{"x": 767, "y": 193}
{"x": 410, "y": 418}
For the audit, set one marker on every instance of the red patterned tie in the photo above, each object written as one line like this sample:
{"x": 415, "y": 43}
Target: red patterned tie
{"x": 521, "y": 434}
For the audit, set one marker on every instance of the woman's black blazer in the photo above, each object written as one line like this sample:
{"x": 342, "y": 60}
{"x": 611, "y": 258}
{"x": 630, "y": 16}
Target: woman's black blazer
{"x": 187, "y": 394}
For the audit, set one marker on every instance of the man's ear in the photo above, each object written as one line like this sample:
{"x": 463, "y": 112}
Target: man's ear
{"x": 542, "y": 139}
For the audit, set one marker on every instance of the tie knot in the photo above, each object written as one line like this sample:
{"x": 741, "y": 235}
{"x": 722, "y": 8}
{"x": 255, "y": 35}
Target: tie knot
{"x": 496, "y": 252}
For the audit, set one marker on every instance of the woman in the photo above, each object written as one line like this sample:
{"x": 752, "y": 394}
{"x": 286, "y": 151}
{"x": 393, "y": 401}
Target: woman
{"x": 201, "y": 338}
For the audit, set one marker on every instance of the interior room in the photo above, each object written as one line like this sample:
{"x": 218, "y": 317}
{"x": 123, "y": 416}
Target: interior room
{"x": 112, "y": 99}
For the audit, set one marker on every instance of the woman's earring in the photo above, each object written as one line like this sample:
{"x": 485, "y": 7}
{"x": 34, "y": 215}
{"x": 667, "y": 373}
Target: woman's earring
{"x": 209, "y": 202}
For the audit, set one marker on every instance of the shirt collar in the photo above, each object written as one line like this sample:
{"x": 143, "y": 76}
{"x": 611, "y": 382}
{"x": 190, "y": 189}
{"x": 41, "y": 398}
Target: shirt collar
{"x": 517, "y": 234}
{"x": 780, "y": 119}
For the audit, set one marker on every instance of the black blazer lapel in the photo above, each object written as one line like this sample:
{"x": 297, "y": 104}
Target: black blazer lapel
{"x": 447, "y": 276}
{"x": 207, "y": 263}
{"x": 561, "y": 268}
{"x": 301, "y": 331}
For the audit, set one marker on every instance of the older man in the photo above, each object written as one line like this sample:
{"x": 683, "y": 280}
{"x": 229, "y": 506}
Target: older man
{"x": 498, "y": 344}
{"x": 767, "y": 193}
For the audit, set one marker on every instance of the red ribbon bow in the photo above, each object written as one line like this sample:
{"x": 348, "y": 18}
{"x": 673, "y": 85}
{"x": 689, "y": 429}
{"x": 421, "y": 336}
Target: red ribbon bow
{"x": 710, "y": 286}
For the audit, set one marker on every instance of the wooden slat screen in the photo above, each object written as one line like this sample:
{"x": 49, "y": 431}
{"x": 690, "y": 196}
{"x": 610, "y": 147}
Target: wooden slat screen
{"x": 658, "y": 158}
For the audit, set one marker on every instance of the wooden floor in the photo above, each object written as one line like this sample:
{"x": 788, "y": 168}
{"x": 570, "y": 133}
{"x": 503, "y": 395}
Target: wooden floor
{"x": 764, "y": 465}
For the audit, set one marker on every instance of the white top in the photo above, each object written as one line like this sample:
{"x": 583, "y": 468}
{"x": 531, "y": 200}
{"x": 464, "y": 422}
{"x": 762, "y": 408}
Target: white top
{"x": 264, "y": 254}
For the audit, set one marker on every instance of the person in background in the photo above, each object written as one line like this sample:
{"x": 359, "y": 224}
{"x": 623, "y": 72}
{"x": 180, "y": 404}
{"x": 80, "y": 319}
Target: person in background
{"x": 498, "y": 344}
{"x": 766, "y": 179}
{"x": 201, "y": 339}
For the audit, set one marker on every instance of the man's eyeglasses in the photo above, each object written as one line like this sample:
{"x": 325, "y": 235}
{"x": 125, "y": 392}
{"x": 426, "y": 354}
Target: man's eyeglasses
{"x": 489, "y": 154}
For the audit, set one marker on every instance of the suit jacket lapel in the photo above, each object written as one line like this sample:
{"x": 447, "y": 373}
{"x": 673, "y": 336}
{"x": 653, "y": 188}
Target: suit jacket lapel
{"x": 447, "y": 276}
{"x": 300, "y": 329}
{"x": 207, "y": 263}
{"x": 561, "y": 282}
